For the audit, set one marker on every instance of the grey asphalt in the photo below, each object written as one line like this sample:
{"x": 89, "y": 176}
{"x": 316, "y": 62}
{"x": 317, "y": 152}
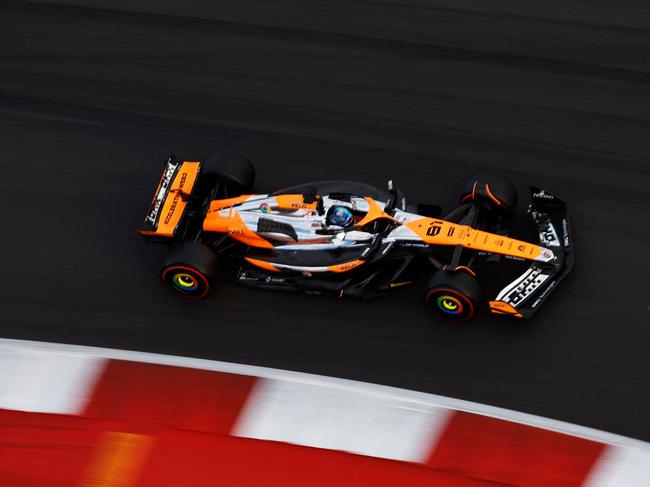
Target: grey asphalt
{"x": 92, "y": 100}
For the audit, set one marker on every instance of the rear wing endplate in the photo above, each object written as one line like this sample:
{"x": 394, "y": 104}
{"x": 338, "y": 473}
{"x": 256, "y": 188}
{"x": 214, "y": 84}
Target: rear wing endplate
{"x": 170, "y": 199}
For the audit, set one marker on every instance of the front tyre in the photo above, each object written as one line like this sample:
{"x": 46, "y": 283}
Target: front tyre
{"x": 453, "y": 296}
{"x": 188, "y": 269}
{"x": 491, "y": 190}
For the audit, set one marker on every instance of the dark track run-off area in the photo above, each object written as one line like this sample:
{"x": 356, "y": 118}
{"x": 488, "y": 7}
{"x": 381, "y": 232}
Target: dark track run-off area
{"x": 555, "y": 93}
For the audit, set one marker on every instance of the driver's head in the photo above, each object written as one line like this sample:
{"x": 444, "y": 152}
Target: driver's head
{"x": 340, "y": 216}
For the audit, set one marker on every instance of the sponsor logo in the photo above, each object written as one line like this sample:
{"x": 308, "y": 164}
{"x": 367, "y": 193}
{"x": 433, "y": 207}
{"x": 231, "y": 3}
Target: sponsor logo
{"x": 409, "y": 245}
{"x": 245, "y": 277}
{"x": 543, "y": 195}
{"x": 172, "y": 208}
{"x": 512, "y": 257}
{"x": 565, "y": 232}
{"x": 350, "y": 265}
{"x": 544, "y": 293}
{"x": 500, "y": 305}
{"x": 526, "y": 287}
{"x": 274, "y": 280}
{"x": 160, "y": 196}
{"x": 265, "y": 208}
{"x": 434, "y": 229}
{"x": 177, "y": 197}
{"x": 547, "y": 234}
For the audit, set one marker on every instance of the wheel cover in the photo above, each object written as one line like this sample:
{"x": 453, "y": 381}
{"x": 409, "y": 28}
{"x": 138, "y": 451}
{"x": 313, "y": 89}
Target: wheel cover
{"x": 186, "y": 281}
{"x": 450, "y": 304}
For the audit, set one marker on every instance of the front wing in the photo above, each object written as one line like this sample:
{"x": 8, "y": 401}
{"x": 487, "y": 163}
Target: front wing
{"x": 523, "y": 296}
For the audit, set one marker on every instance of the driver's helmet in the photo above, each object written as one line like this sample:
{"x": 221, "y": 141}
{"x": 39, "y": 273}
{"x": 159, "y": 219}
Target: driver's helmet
{"x": 340, "y": 216}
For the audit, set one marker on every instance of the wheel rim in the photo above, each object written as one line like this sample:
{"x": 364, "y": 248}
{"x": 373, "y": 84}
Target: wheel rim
{"x": 450, "y": 304}
{"x": 186, "y": 281}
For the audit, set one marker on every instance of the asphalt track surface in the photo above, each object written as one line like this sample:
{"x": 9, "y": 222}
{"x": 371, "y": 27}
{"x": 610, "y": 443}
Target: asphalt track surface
{"x": 552, "y": 93}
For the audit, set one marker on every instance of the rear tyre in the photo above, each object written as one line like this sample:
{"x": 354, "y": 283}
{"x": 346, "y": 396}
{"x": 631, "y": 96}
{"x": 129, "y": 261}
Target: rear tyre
{"x": 231, "y": 168}
{"x": 453, "y": 296}
{"x": 491, "y": 190}
{"x": 188, "y": 269}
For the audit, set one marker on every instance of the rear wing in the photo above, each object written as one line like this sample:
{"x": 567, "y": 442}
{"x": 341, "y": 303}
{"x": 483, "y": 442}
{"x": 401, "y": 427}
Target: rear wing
{"x": 170, "y": 199}
{"x": 523, "y": 296}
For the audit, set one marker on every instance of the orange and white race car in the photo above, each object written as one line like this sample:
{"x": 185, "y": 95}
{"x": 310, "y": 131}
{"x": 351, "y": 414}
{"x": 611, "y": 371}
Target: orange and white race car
{"x": 351, "y": 239}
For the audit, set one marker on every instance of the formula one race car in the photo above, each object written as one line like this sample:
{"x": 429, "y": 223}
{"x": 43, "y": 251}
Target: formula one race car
{"x": 351, "y": 239}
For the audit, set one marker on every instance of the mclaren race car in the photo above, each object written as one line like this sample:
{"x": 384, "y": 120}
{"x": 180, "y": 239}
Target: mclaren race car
{"x": 346, "y": 238}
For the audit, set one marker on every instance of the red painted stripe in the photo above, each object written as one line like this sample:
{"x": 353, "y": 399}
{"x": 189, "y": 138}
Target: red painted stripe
{"x": 170, "y": 396}
{"x": 201, "y": 460}
{"x": 512, "y": 453}
{"x": 44, "y": 450}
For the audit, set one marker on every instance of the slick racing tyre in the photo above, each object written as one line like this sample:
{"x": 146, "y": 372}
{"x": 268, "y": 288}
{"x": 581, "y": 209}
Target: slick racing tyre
{"x": 453, "y": 296}
{"x": 492, "y": 190}
{"x": 233, "y": 169}
{"x": 188, "y": 269}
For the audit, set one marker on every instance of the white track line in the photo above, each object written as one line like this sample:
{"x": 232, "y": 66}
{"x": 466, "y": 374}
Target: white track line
{"x": 336, "y": 419}
{"x": 624, "y": 467}
{"x": 386, "y": 392}
{"x": 46, "y": 382}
